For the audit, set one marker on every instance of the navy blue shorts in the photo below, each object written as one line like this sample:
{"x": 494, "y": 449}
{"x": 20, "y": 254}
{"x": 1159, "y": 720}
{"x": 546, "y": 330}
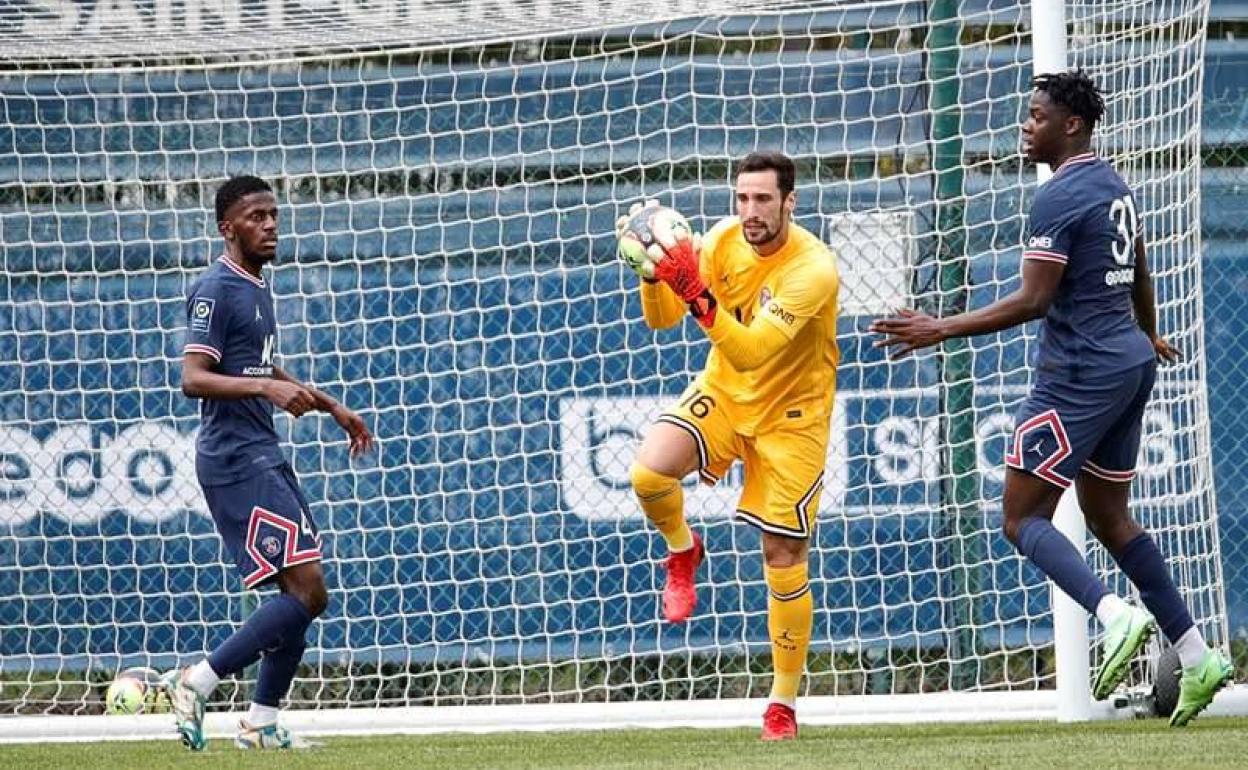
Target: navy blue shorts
{"x": 1092, "y": 424}
{"x": 265, "y": 523}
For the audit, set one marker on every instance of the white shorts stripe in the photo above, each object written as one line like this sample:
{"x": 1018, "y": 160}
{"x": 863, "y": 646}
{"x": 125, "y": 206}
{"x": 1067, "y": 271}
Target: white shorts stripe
{"x": 1108, "y": 475}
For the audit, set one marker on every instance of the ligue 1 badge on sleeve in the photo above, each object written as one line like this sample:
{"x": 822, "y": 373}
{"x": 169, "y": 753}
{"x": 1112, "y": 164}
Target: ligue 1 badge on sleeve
{"x": 201, "y": 314}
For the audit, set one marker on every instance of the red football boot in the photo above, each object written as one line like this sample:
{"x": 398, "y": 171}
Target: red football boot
{"x": 680, "y": 594}
{"x": 779, "y": 723}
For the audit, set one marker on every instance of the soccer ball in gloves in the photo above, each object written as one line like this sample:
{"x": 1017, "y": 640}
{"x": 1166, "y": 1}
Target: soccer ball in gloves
{"x": 648, "y": 233}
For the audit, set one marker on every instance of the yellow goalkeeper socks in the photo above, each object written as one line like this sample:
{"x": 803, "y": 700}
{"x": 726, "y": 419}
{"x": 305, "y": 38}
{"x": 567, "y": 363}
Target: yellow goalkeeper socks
{"x": 664, "y": 503}
{"x": 789, "y": 613}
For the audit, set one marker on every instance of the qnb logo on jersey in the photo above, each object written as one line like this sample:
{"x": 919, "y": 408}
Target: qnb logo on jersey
{"x": 779, "y": 312}
{"x": 265, "y": 369}
{"x": 1040, "y": 242}
{"x": 1117, "y": 277}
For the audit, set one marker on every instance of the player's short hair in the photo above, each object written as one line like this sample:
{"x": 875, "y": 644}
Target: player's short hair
{"x": 1075, "y": 91}
{"x": 786, "y": 172}
{"x": 236, "y": 188}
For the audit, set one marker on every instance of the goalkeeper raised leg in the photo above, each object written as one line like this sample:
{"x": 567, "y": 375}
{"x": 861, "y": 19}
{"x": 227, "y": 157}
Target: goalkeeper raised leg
{"x": 764, "y": 290}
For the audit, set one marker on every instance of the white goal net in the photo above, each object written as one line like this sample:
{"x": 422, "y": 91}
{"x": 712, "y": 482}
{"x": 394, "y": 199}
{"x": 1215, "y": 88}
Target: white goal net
{"x": 448, "y": 175}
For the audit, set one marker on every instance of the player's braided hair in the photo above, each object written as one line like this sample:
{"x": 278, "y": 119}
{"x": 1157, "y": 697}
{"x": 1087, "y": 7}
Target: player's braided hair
{"x": 238, "y": 187}
{"x": 1075, "y": 91}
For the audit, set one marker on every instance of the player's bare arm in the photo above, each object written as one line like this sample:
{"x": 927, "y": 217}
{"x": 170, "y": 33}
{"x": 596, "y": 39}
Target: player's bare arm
{"x": 200, "y": 381}
{"x": 348, "y": 420}
{"x": 1146, "y": 306}
{"x": 322, "y": 402}
{"x": 909, "y": 331}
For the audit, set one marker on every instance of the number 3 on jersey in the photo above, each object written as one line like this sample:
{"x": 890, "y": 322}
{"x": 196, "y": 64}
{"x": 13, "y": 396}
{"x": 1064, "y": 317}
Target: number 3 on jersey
{"x": 1122, "y": 214}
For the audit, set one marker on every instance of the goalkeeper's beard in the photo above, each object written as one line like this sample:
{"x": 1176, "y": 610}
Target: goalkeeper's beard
{"x": 759, "y": 236}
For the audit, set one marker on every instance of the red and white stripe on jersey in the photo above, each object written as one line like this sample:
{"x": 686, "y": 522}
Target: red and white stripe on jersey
{"x": 1044, "y": 256}
{"x": 1074, "y": 160}
{"x": 208, "y": 350}
{"x": 241, "y": 272}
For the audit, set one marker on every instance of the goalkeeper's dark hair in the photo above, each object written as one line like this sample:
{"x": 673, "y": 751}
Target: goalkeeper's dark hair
{"x": 1075, "y": 91}
{"x": 786, "y": 172}
{"x": 237, "y": 188}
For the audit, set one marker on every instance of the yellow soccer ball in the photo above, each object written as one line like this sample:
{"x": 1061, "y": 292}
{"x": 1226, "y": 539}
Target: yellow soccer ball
{"x": 135, "y": 691}
{"x": 126, "y": 695}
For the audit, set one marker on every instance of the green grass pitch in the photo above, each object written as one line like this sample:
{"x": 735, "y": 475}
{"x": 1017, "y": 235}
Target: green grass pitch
{"x": 1207, "y": 743}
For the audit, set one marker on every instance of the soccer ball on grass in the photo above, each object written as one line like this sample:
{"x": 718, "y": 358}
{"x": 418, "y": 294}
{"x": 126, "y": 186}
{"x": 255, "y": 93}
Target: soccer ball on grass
{"x": 135, "y": 691}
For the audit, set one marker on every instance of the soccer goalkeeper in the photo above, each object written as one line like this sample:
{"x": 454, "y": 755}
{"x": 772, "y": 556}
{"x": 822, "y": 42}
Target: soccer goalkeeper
{"x": 765, "y": 292}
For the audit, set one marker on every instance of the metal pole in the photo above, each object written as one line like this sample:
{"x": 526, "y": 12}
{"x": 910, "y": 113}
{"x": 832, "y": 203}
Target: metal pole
{"x": 959, "y": 491}
{"x": 1070, "y": 621}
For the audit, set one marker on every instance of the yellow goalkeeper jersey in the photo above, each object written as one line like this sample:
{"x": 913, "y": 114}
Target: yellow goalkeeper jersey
{"x": 795, "y": 290}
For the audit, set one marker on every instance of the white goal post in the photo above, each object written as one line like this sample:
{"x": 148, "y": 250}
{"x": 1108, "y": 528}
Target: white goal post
{"x": 448, "y": 175}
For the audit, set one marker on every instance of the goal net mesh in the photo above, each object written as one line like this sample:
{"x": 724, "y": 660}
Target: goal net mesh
{"x": 448, "y": 175}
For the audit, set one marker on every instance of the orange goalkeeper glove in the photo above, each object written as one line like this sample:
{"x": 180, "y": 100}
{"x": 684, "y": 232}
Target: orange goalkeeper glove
{"x": 679, "y": 269}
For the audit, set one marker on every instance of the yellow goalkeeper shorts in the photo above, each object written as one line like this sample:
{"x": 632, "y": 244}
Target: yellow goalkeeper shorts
{"x": 783, "y": 465}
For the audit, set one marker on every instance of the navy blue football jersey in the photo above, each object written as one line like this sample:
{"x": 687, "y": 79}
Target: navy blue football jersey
{"x": 1085, "y": 218}
{"x": 230, "y": 318}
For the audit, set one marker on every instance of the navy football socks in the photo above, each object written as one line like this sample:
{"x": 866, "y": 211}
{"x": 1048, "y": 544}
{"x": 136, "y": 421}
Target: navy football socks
{"x": 1056, "y": 557}
{"x": 277, "y": 671}
{"x": 1142, "y": 563}
{"x": 279, "y": 623}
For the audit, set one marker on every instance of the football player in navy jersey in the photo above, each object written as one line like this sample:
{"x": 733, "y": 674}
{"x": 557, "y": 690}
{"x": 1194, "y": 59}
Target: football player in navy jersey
{"x": 255, "y": 500}
{"x": 1084, "y": 271}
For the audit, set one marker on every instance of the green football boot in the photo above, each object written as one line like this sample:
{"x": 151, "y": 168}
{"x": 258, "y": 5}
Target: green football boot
{"x": 1123, "y": 639}
{"x": 1198, "y": 686}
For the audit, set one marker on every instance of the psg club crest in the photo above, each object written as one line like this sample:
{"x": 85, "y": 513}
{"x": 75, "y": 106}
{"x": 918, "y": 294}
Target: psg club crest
{"x": 764, "y": 297}
{"x": 271, "y": 546}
